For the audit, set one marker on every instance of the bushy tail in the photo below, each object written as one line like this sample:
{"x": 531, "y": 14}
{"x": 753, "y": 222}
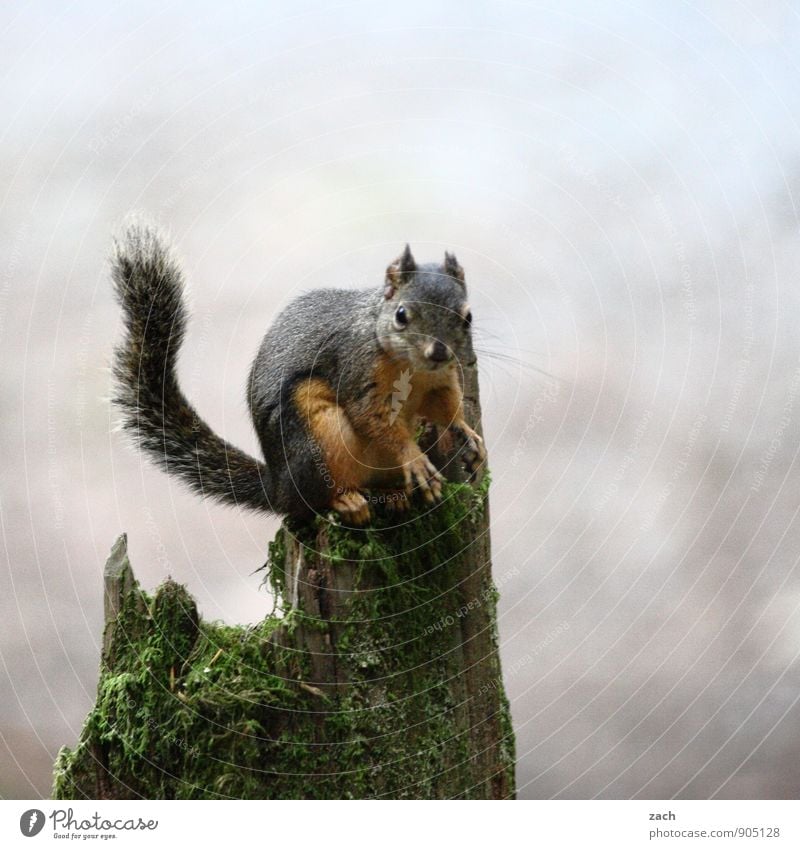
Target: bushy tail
{"x": 149, "y": 286}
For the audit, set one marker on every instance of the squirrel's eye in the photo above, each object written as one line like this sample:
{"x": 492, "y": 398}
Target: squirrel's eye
{"x": 468, "y": 318}
{"x": 400, "y": 317}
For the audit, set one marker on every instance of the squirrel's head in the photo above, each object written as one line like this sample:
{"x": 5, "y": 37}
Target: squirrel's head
{"x": 425, "y": 318}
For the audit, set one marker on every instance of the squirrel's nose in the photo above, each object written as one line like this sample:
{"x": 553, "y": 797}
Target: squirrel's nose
{"x": 438, "y": 352}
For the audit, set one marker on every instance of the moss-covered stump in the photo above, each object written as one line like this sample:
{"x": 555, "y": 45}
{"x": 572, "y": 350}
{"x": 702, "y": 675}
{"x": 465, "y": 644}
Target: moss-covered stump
{"x": 379, "y": 677}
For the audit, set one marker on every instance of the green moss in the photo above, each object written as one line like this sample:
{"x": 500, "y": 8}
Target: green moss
{"x": 192, "y": 709}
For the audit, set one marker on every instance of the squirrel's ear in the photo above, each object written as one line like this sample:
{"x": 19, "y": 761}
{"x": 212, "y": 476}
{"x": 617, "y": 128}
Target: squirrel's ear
{"x": 406, "y": 260}
{"x": 452, "y": 267}
{"x": 395, "y": 273}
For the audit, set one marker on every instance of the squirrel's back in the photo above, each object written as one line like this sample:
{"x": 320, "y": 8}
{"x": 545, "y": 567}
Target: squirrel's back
{"x": 326, "y": 333}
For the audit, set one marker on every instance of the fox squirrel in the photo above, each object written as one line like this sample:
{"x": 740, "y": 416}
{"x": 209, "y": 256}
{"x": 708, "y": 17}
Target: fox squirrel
{"x": 336, "y": 391}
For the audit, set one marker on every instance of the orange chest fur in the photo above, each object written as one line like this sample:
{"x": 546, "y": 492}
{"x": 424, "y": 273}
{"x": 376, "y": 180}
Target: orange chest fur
{"x": 409, "y": 393}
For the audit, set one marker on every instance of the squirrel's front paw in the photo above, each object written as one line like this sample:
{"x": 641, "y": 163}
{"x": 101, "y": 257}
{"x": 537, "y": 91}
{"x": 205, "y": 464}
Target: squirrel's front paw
{"x": 473, "y": 453}
{"x": 352, "y": 507}
{"x": 420, "y": 473}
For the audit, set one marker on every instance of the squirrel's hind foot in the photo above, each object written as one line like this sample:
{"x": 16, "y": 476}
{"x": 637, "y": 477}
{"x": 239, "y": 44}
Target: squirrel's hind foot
{"x": 396, "y": 501}
{"x": 352, "y": 507}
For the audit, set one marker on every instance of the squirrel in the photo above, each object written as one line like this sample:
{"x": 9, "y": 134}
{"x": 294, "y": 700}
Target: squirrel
{"x": 336, "y": 392}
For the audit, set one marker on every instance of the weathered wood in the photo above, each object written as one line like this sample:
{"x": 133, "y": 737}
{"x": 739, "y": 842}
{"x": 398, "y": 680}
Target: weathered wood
{"x": 117, "y": 583}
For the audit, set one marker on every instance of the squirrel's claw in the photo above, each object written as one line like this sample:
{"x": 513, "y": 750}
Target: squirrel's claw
{"x": 352, "y": 507}
{"x": 397, "y": 501}
{"x": 473, "y": 452}
{"x": 421, "y": 474}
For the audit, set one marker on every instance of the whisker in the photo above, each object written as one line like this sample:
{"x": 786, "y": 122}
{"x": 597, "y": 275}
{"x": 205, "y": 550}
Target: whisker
{"x": 507, "y": 359}
{"x": 503, "y": 368}
{"x": 496, "y": 337}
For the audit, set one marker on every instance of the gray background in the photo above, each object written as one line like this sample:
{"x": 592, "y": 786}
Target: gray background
{"x": 619, "y": 181}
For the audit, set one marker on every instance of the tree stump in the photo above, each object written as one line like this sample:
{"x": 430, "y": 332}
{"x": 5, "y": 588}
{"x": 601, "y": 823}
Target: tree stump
{"x": 379, "y": 676}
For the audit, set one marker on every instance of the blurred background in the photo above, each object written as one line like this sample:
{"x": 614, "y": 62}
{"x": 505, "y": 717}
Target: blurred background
{"x": 619, "y": 181}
